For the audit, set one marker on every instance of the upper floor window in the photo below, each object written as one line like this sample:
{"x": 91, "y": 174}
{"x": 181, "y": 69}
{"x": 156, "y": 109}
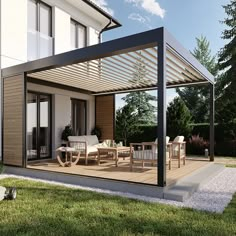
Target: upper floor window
{"x": 77, "y": 35}
{"x": 40, "y": 17}
{"x": 40, "y": 43}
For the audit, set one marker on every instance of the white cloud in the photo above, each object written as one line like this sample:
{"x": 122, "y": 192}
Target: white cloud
{"x": 137, "y": 17}
{"x": 151, "y": 6}
{"x": 104, "y": 5}
{"x": 142, "y": 19}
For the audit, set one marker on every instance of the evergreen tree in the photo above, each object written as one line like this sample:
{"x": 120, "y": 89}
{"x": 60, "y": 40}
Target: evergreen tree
{"x": 196, "y": 98}
{"x": 140, "y": 100}
{"x": 226, "y": 101}
{"x": 126, "y": 123}
{"x": 178, "y": 119}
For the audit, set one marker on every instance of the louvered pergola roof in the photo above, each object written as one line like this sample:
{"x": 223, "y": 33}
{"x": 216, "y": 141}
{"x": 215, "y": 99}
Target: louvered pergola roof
{"x": 111, "y": 67}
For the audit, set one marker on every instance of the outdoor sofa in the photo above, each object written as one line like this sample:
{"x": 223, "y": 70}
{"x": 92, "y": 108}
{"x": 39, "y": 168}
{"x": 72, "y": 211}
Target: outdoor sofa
{"x": 87, "y": 145}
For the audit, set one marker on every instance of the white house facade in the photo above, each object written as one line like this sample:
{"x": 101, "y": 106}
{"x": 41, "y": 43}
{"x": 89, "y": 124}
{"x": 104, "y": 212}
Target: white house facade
{"x": 34, "y": 29}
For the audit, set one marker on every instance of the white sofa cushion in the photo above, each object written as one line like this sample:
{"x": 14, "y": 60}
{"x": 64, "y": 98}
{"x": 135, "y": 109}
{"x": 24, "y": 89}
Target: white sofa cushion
{"x": 167, "y": 140}
{"x": 179, "y": 139}
{"x": 76, "y": 138}
{"x": 91, "y": 139}
{"x": 175, "y": 147}
{"x": 138, "y": 154}
{"x": 91, "y": 149}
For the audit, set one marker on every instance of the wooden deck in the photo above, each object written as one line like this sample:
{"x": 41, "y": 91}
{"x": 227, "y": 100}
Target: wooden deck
{"x": 147, "y": 175}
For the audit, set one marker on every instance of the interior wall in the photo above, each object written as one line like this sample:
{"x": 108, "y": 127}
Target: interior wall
{"x": 61, "y": 110}
{"x": 105, "y": 115}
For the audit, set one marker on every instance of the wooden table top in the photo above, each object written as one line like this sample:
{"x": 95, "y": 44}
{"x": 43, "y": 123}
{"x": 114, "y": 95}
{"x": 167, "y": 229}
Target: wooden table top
{"x": 123, "y": 148}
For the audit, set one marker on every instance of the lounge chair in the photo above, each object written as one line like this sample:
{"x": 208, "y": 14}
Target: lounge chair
{"x": 179, "y": 149}
{"x": 146, "y": 152}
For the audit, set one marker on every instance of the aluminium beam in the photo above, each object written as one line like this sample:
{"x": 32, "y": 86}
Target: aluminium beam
{"x": 212, "y": 121}
{"x": 185, "y": 55}
{"x": 161, "y": 102}
{"x": 114, "y": 47}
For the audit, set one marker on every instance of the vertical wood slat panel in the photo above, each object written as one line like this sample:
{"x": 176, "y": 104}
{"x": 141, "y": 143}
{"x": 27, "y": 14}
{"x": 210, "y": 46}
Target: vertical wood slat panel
{"x": 105, "y": 108}
{"x": 13, "y": 116}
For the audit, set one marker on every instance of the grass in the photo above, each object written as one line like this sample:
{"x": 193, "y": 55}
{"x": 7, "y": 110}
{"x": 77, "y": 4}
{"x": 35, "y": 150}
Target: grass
{"x": 43, "y": 209}
{"x": 231, "y": 165}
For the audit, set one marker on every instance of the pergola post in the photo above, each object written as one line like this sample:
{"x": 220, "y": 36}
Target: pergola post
{"x": 212, "y": 121}
{"x": 161, "y": 90}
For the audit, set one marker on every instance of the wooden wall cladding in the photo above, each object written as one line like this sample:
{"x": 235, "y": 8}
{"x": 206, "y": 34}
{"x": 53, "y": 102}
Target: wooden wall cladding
{"x": 105, "y": 115}
{"x": 13, "y": 115}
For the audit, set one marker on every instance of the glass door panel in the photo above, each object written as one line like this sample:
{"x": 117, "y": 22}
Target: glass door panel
{"x": 31, "y": 126}
{"x": 38, "y": 126}
{"x": 44, "y": 131}
{"x": 78, "y": 116}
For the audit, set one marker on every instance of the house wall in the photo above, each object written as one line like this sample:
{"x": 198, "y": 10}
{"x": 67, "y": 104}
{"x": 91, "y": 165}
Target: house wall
{"x": 105, "y": 115}
{"x": 13, "y": 38}
{"x": 61, "y": 27}
{"x": 61, "y": 109}
{"x": 13, "y": 27}
{"x": 13, "y": 32}
{"x": 62, "y": 13}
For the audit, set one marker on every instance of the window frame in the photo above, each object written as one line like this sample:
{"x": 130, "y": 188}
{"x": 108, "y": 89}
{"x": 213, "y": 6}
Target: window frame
{"x": 38, "y": 3}
{"x": 77, "y": 24}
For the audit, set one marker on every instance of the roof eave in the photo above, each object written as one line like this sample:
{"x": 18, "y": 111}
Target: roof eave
{"x": 104, "y": 13}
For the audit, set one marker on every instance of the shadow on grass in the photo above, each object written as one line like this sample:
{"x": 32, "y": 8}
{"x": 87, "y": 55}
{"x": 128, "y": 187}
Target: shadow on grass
{"x": 120, "y": 224}
{"x": 43, "y": 209}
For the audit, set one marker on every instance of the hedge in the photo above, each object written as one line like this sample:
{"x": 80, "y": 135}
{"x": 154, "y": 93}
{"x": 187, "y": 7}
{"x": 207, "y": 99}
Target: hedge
{"x": 225, "y": 141}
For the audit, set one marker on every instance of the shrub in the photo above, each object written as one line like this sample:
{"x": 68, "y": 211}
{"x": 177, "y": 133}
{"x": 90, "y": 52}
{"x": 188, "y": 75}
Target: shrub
{"x": 196, "y": 145}
{"x": 146, "y": 133}
{"x": 226, "y": 148}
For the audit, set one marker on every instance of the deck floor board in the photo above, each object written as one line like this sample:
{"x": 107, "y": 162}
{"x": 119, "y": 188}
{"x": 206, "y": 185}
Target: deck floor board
{"x": 108, "y": 170}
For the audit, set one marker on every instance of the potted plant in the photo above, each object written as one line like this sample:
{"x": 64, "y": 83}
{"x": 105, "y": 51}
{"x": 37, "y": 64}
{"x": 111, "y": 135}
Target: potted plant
{"x": 97, "y": 131}
{"x": 66, "y": 133}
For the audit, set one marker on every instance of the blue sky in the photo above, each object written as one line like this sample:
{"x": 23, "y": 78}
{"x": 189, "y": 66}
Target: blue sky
{"x": 185, "y": 19}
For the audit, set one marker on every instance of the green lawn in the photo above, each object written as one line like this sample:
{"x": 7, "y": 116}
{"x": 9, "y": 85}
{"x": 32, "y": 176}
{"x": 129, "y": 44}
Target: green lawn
{"x": 231, "y": 165}
{"x": 43, "y": 209}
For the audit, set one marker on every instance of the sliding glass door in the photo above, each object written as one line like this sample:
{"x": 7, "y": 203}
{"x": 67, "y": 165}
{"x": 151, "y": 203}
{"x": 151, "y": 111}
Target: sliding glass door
{"x": 78, "y": 116}
{"x": 38, "y": 126}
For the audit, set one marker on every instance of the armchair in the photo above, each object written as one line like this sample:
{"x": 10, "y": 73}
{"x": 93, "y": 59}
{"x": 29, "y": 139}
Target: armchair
{"x": 179, "y": 149}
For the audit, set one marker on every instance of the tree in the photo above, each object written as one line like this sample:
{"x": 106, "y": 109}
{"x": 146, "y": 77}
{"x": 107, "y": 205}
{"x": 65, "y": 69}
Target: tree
{"x": 197, "y": 98}
{"x": 178, "y": 118}
{"x": 227, "y": 62}
{"x": 126, "y": 123}
{"x": 140, "y": 100}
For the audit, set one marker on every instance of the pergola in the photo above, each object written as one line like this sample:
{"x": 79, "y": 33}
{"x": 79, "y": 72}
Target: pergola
{"x": 108, "y": 68}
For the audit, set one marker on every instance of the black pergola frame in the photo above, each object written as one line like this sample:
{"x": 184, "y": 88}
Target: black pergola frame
{"x": 158, "y": 37}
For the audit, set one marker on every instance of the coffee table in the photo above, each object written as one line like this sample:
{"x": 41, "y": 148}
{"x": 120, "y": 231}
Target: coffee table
{"x": 70, "y": 151}
{"x": 103, "y": 152}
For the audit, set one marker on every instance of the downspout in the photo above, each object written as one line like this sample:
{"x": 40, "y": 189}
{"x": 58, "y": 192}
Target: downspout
{"x": 104, "y": 29}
